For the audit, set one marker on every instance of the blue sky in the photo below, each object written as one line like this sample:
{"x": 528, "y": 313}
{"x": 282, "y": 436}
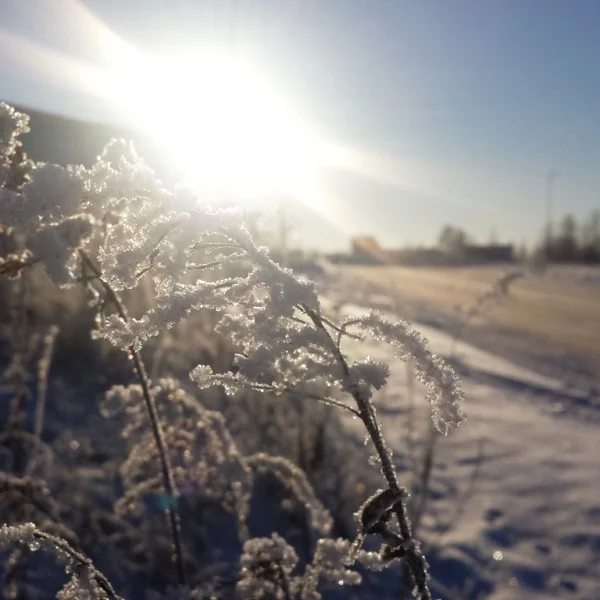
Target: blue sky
{"x": 467, "y": 104}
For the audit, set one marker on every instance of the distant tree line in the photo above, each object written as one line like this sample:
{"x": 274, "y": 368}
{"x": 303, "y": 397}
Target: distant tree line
{"x": 452, "y": 240}
{"x": 567, "y": 241}
{"x": 573, "y": 242}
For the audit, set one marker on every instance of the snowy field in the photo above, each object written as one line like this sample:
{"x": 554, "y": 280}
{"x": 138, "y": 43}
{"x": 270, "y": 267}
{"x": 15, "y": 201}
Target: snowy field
{"x": 515, "y": 493}
{"x": 551, "y": 320}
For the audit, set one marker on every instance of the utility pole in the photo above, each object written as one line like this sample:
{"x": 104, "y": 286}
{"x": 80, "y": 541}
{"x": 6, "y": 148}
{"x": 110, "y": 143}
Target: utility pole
{"x": 550, "y": 179}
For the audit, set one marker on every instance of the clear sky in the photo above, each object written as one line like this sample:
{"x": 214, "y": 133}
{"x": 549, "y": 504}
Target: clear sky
{"x": 454, "y": 111}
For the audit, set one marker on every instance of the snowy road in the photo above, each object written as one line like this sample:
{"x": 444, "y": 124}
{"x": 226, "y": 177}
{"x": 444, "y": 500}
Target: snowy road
{"x": 527, "y": 524}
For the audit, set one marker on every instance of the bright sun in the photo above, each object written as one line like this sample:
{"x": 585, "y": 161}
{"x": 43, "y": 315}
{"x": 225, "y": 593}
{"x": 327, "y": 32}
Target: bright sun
{"x": 223, "y": 125}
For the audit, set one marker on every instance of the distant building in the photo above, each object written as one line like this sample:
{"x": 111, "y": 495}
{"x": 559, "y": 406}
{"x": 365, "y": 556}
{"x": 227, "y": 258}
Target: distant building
{"x": 491, "y": 253}
{"x": 468, "y": 255}
{"x": 419, "y": 257}
{"x": 366, "y": 250}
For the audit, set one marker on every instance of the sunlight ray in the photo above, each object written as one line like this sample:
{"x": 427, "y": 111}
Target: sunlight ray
{"x": 55, "y": 68}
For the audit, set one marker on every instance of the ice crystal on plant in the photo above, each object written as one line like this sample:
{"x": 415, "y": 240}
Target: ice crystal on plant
{"x": 53, "y": 193}
{"x": 329, "y": 560}
{"x": 266, "y": 568}
{"x": 12, "y": 124}
{"x": 57, "y": 245}
{"x": 203, "y": 456}
{"x": 370, "y": 372}
{"x": 328, "y": 564}
{"x": 443, "y": 388}
{"x": 296, "y": 481}
{"x": 82, "y": 586}
{"x": 12, "y": 265}
{"x": 86, "y": 582}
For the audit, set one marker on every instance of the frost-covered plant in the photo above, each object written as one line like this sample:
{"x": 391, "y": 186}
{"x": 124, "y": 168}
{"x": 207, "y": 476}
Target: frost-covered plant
{"x": 14, "y": 166}
{"x": 295, "y": 480}
{"x": 203, "y": 457}
{"x": 113, "y": 225}
{"x": 266, "y": 569}
{"x": 85, "y": 583}
{"x": 268, "y": 566}
{"x": 495, "y": 293}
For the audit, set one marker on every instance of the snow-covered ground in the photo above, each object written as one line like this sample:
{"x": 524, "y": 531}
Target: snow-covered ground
{"x": 515, "y": 492}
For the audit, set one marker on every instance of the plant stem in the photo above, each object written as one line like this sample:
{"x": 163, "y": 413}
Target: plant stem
{"x": 81, "y": 559}
{"x": 167, "y": 473}
{"x": 425, "y": 477}
{"x": 414, "y": 559}
{"x": 42, "y": 383}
